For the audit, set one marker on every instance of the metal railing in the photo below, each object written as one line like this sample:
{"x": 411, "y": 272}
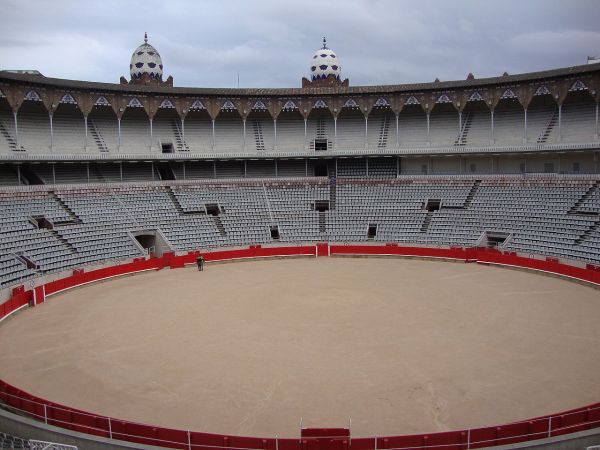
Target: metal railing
{"x": 266, "y": 154}
{"x": 548, "y": 424}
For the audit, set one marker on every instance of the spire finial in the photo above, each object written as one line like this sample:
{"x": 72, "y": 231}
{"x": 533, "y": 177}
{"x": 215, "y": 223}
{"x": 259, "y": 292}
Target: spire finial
{"x": 324, "y": 42}
{"x": 145, "y": 37}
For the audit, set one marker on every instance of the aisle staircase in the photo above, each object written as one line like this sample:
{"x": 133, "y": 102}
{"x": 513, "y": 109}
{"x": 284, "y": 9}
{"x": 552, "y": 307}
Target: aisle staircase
{"x": 543, "y": 137}
{"x": 96, "y": 135}
{"x": 461, "y": 140}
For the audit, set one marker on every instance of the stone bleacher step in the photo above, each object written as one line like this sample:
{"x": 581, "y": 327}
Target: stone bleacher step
{"x": 461, "y": 140}
{"x": 219, "y": 225}
{"x": 177, "y": 204}
{"x": 575, "y": 208}
{"x": 587, "y": 233}
{"x": 332, "y": 192}
{"x": 543, "y": 137}
{"x": 12, "y": 144}
{"x": 472, "y": 193}
{"x": 426, "y": 222}
{"x": 66, "y": 243}
{"x": 322, "y": 222}
{"x": 75, "y": 220}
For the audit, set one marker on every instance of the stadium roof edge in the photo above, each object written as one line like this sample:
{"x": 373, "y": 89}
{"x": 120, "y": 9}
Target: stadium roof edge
{"x": 11, "y": 77}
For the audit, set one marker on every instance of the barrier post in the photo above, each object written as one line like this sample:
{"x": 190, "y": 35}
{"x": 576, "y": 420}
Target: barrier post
{"x": 189, "y": 440}
{"x": 276, "y": 442}
{"x": 109, "y": 428}
{"x": 45, "y": 415}
{"x": 350, "y": 430}
{"x": 375, "y": 442}
{"x": 300, "y": 440}
{"x": 468, "y": 439}
{"x": 550, "y": 426}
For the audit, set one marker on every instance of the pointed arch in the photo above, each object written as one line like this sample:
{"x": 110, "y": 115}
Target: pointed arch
{"x": 351, "y": 104}
{"x": 101, "y": 101}
{"x": 197, "y": 105}
{"x": 319, "y": 104}
{"x": 33, "y": 96}
{"x": 228, "y": 105}
{"x": 475, "y": 97}
{"x": 134, "y": 103}
{"x": 578, "y": 86}
{"x": 68, "y": 98}
{"x": 542, "y": 90}
{"x": 166, "y": 104}
{"x": 259, "y": 105}
{"x": 412, "y": 100}
{"x": 508, "y": 93}
{"x": 289, "y": 105}
{"x": 443, "y": 99}
{"x": 382, "y": 103}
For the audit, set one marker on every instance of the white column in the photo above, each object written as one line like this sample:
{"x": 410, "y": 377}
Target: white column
{"x": 366, "y": 131}
{"x": 367, "y": 165}
{"x": 19, "y": 174}
{"x": 596, "y": 120}
{"x": 335, "y": 132}
{"x": 245, "y": 168}
{"x": 17, "y": 125}
{"x": 86, "y": 132}
{"x": 184, "y": 170}
{"x": 525, "y": 129}
{"x": 87, "y": 170}
{"x": 305, "y": 130}
{"x": 428, "y": 138}
{"x": 151, "y": 134}
{"x": 274, "y": 134}
{"x": 214, "y": 169}
{"x": 276, "y": 169}
{"x": 559, "y": 123}
{"x": 492, "y": 124}
{"x": 397, "y": 166}
{"x": 244, "y": 122}
{"x": 119, "y": 136}
{"x": 51, "y": 133}
{"x": 213, "y": 134}
{"x": 397, "y": 131}
{"x": 459, "y": 123}
{"x": 183, "y": 131}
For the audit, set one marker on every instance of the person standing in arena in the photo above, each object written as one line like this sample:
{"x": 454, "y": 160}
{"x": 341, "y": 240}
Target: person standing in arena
{"x": 200, "y": 263}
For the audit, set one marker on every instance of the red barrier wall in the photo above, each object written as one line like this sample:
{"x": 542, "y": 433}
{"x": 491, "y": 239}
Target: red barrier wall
{"x": 579, "y": 419}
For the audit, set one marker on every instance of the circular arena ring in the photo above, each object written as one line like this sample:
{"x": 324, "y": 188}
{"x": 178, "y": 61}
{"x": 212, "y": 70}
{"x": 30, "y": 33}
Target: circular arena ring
{"x": 389, "y": 347}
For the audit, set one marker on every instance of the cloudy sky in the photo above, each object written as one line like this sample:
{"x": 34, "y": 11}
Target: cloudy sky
{"x": 270, "y": 42}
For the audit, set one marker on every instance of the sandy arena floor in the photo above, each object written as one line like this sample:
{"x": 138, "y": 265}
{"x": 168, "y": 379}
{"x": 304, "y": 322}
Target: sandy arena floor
{"x": 399, "y": 346}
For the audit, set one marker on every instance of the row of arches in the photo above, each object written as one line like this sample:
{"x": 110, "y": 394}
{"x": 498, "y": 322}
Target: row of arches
{"x": 559, "y": 90}
{"x": 541, "y": 121}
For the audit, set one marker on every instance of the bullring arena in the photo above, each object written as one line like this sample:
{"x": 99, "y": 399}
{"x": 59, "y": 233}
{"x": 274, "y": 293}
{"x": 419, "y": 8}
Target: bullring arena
{"x": 387, "y": 267}
{"x": 250, "y": 348}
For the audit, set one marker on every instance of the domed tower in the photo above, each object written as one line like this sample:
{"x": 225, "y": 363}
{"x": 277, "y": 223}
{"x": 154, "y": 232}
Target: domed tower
{"x": 325, "y": 69}
{"x": 146, "y": 66}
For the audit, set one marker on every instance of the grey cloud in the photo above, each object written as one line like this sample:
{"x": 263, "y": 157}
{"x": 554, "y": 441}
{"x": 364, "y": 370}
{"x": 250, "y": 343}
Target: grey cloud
{"x": 270, "y": 42}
